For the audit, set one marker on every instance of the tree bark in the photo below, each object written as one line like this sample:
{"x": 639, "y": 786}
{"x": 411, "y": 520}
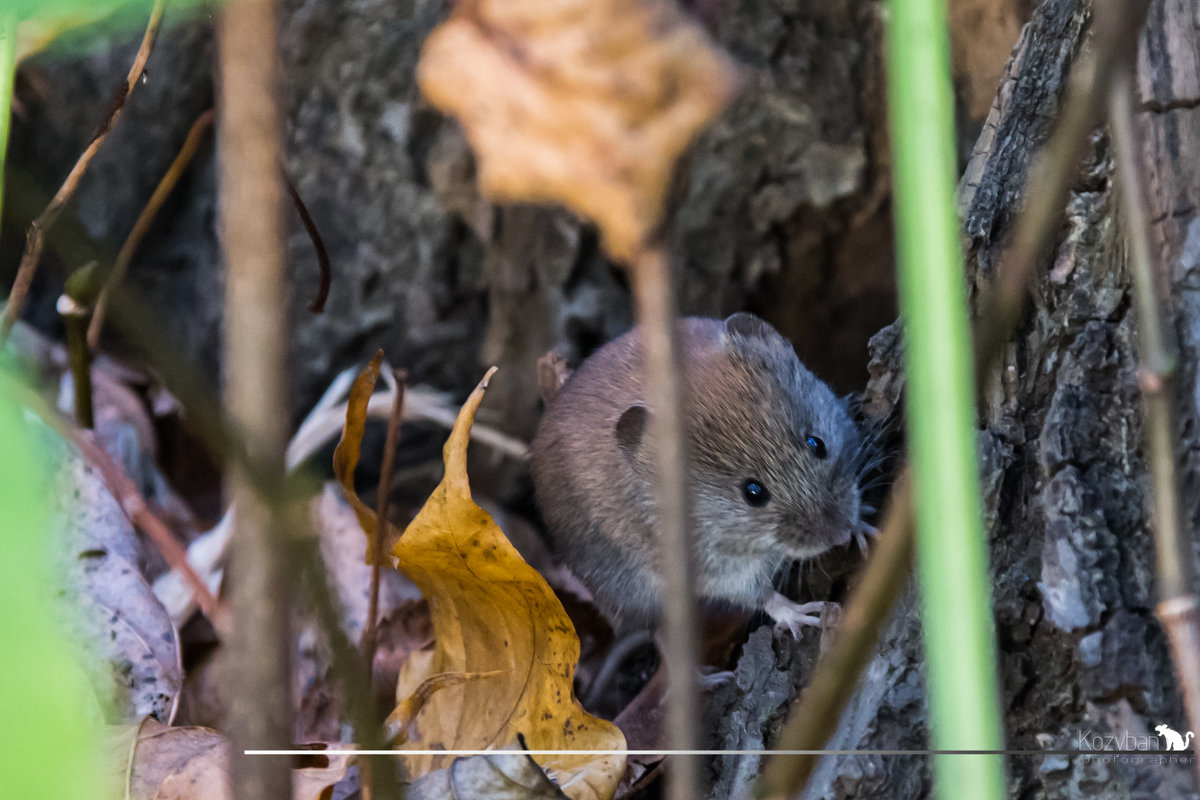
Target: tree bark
{"x": 1062, "y": 459}
{"x": 1063, "y": 464}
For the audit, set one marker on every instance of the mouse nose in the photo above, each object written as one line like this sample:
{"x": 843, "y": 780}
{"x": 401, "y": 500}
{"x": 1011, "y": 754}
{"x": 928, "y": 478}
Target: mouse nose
{"x": 837, "y": 524}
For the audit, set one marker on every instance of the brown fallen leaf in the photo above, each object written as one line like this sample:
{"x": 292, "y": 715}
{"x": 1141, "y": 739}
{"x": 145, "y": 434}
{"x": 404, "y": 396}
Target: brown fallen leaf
{"x": 192, "y": 763}
{"x": 578, "y": 102}
{"x": 505, "y": 651}
{"x": 127, "y": 643}
{"x": 162, "y": 752}
{"x": 500, "y": 776}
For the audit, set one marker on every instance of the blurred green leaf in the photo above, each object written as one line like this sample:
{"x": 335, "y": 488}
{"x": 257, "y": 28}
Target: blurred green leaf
{"x": 68, "y": 27}
{"x": 47, "y": 9}
{"x": 960, "y": 639}
{"x": 48, "y": 736}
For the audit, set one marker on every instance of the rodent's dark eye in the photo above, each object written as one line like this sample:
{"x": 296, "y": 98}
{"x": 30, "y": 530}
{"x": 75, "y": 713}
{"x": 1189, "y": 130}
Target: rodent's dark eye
{"x": 817, "y": 446}
{"x": 755, "y": 493}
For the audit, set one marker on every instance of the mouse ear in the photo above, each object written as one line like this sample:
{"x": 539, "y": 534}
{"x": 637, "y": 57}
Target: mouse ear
{"x": 629, "y": 430}
{"x": 750, "y": 326}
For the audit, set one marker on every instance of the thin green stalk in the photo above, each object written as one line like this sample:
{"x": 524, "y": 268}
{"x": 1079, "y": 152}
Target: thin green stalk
{"x": 951, "y": 555}
{"x": 8, "y": 67}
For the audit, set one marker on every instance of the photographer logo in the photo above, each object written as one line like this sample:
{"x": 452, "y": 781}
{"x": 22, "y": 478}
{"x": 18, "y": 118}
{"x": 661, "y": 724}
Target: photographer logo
{"x": 1175, "y": 741}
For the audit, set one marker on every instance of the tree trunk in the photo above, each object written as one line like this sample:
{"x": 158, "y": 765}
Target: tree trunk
{"x": 1063, "y": 466}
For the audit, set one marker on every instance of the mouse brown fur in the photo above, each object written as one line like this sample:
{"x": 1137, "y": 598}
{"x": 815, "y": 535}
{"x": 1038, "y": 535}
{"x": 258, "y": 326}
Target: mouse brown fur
{"x": 755, "y": 415}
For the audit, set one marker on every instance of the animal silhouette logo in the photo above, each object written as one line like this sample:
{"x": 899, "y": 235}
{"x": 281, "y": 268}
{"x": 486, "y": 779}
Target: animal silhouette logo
{"x": 1174, "y": 740}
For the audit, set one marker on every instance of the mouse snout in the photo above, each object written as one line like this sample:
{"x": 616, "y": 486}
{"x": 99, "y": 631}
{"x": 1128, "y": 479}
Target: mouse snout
{"x": 812, "y": 534}
{"x": 840, "y": 519}
{"x": 837, "y": 529}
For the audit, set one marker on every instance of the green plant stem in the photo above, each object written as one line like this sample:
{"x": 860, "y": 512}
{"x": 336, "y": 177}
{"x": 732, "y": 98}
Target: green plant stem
{"x": 951, "y": 557}
{"x": 8, "y": 68}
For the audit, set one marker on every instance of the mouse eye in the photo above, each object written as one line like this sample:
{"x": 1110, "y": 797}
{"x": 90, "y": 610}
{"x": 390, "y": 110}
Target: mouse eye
{"x": 755, "y": 493}
{"x": 817, "y": 446}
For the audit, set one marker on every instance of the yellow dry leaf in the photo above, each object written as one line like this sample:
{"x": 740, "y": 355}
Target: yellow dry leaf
{"x": 409, "y": 705}
{"x": 415, "y": 670}
{"x": 346, "y": 455}
{"x": 500, "y": 629}
{"x": 587, "y": 103}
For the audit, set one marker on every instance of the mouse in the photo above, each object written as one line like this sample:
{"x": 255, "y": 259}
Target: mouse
{"x": 775, "y": 464}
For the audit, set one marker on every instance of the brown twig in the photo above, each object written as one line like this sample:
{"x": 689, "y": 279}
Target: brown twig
{"x": 161, "y": 192}
{"x": 1178, "y": 609}
{"x": 134, "y": 506}
{"x": 655, "y": 310}
{"x": 128, "y": 498}
{"x": 381, "y": 509}
{"x": 79, "y": 357}
{"x": 75, "y": 307}
{"x": 314, "y": 236}
{"x": 35, "y": 239}
{"x": 859, "y": 628}
{"x": 1046, "y": 189}
{"x": 255, "y": 342}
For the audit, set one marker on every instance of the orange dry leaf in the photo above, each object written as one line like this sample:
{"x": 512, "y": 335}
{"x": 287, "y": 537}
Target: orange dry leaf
{"x": 505, "y": 652}
{"x": 587, "y": 103}
{"x": 347, "y": 452}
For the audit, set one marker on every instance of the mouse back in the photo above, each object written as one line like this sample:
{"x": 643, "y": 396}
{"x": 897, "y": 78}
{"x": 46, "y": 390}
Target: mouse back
{"x": 771, "y": 465}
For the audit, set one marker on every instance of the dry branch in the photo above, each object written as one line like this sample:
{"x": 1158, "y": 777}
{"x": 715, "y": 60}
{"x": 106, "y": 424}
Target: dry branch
{"x": 133, "y": 505}
{"x": 373, "y": 773}
{"x": 317, "y": 305}
{"x": 390, "y": 443}
{"x": 1178, "y": 608}
{"x": 145, "y": 220}
{"x": 655, "y": 311}
{"x": 815, "y": 719}
{"x": 255, "y": 352}
{"x": 129, "y": 499}
{"x": 35, "y": 239}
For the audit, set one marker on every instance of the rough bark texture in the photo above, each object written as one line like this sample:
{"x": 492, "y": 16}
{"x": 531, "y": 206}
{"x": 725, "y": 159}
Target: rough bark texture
{"x": 1063, "y": 467}
{"x": 1072, "y": 551}
{"x": 779, "y": 202}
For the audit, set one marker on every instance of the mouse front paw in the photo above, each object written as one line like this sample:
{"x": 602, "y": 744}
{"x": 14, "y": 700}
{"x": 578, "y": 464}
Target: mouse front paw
{"x": 794, "y": 617}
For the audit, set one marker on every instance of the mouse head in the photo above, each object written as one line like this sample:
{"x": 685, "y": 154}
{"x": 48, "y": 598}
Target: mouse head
{"x": 774, "y": 457}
